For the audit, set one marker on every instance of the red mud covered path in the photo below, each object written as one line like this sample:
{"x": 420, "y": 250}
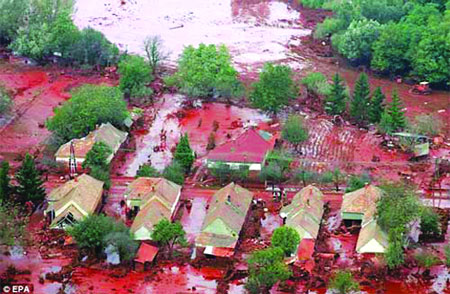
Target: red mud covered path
{"x": 36, "y": 92}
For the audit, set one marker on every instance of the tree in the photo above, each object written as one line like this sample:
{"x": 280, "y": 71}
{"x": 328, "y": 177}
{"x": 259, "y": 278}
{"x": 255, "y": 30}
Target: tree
{"x": 286, "y": 238}
{"x": 317, "y": 83}
{"x": 294, "y": 130}
{"x": 184, "y": 154}
{"x": 335, "y": 176}
{"x": 169, "y": 234}
{"x": 90, "y": 233}
{"x": 153, "y": 47}
{"x": 429, "y": 222}
{"x": 135, "y": 75}
{"x": 395, "y": 111}
{"x": 343, "y": 282}
{"x": 89, "y": 106}
{"x": 272, "y": 172}
{"x": 386, "y": 124}
{"x": 305, "y": 176}
{"x": 359, "y": 105}
{"x": 335, "y": 102}
{"x": 124, "y": 243}
{"x": 357, "y": 182}
{"x": 11, "y": 18}
{"x": 29, "y": 182}
{"x": 13, "y": 225}
{"x": 376, "y": 107}
{"x": 98, "y": 156}
{"x": 5, "y": 185}
{"x": 274, "y": 89}
{"x": 266, "y": 267}
{"x": 175, "y": 173}
{"x": 447, "y": 254}
{"x": 101, "y": 174}
{"x": 225, "y": 174}
{"x": 5, "y": 101}
{"x": 394, "y": 253}
{"x": 207, "y": 71}
{"x": 146, "y": 170}
{"x": 426, "y": 259}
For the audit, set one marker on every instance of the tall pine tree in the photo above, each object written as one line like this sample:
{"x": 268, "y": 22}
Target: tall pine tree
{"x": 5, "y": 186}
{"x": 359, "y": 107}
{"x": 335, "y": 102}
{"x": 30, "y": 183}
{"x": 184, "y": 154}
{"x": 376, "y": 106}
{"x": 396, "y": 113}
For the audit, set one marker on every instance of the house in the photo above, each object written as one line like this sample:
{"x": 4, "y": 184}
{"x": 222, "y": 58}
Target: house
{"x": 361, "y": 205}
{"x": 73, "y": 201}
{"x": 106, "y": 133}
{"x": 304, "y": 214}
{"x": 227, "y": 214}
{"x": 152, "y": 199}
{"x": 249, "y": 150}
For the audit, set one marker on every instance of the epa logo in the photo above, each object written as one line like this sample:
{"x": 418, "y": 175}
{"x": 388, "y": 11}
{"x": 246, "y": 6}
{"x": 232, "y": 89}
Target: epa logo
{"x": 17, "y": 288}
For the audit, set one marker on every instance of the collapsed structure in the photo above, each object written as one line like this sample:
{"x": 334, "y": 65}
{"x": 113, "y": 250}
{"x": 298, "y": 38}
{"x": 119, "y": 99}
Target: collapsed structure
{"x": 73, "y": 201}
{"x": 361, "y": 205}
{"x": 227, "y": 214}
{"x": 106, "y": 133}
{"x": 152, "y": 199}
{"x": 304, "y": 215}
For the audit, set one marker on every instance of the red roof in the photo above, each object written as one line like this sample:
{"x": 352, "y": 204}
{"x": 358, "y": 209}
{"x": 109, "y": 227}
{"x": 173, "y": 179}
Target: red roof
{"x": 305, "y": 249}
{"x": 146, "y": 253}
{"x": 249, "y": 147}
{"x": 223, "y": 252}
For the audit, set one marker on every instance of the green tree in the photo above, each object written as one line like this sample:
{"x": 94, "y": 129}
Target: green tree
{"x": 63, "y": 34}
{"x": 146, "y": 170}
{"x": 222, "y": 172}
{"x": 343, "y": 282}
{"x": 305, "y": 176}
{"x": 266, "y": 267}
{"x": 286, "y": 238}
{"x": 376, "y": 107}
{"x": 135, "y": 75}
{"x": 359, "y": 106}
{"x": 89, "y": 106}
{"x": 207, "y": 71}
{"x": 274, "y": 89}
{"x": 90, "y": 233}
{"x": 386, "y": 124}
{"x": 12, "y": 17}
{"x": 426, "y": 259}
{"x": 335, "y": 176}
{"x": 5, "y": 101}
{"x": 124, "y": 242}
{"x": 294, "y": 130}
{"x": 174, "y": 172}
{"x": 101, "y": 174}
{"x": 281, "y": 158}
{"x": 184, "y": 153}
{"x": 12, "y": 225}
{"x": 29, "y": 182}
{"x": 356, "y": 182}
{"x": 272, "y": 172}
{"x": 5, "y": 185}
{"x": 317, "y": 83}
{"x": 335, "y": 102}
{"x": 447, "y": 254}
{"x": 169, "y": 234}
{"x": 98, "y": 156}
{"x": 395, "y": 111}
{"x": 430, "y": 222}
{"x": 153, "y": 47}
{"x": 394, "y": 253}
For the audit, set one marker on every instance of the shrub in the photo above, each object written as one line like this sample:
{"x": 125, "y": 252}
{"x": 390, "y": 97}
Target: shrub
{"x": 184, "y": 154}
{"x": 124, "y": 243}
{"x": 328, "y": 27}
{"x": 426, "y": 259}
{"x": 447, "y": 254}
{"x": 89, "y": 106}
{"x": 146, "y": 170}
{"x": 286, "y": 238}
{"x": 317, "y": 83}
{"x": 98, "y": 155}
{"x": 357, "y": 182}
{"x": 134, "y": 77}
{"x": 274, "y": 89}
{"x": 315, "y": 4}
{"x": 430, "y": 222}
{"x": 101, "y": 174}
{"x": 154, "y": 50}
{"x": 343, "y": 282}
{"x": 5, "y": 101}
{"x": 426, "y": 124}
{"x": 175, "y": 173}
{"x": 225, "y": 174}
{"x": 12, "y": 225}
{"x": 294, "y": 130}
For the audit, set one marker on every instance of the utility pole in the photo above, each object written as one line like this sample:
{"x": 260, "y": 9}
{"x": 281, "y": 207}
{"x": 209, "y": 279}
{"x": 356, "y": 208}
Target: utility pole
{"x": 72, "y": 162}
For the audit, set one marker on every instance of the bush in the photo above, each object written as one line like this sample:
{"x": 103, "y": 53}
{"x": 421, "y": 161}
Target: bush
{"x": 98, "y": 156}
{"x": 124, "y": 243}
{"x": 12, "y": 225}
{"x": 328, "y": 27}
{"x": 317, "y": 83}
{"x": 274, "y": 89}
{"x": 207, "y": 71}
{"x": 135, "y": 75}
{"x": 146, "y": 170}
{"x": 430, "y": 222}
{"x": 175, "y": 173}
{"x": 294, "y": 130}
{"x": 447, "y": 254}
{"x": 426, "y": 124}
{"x": 286, "y": 238}
{"x": 315, "y": 4}
{"x": 343, "y": 282}
{"x": 222, "y": 172}
{"x": 101, "y": 174}
{"x": 306, "y": 177}
{"x": 357, "y": 182}
{"x": 5, "y": 101}
{"x": 184, "y": 154}
{"x": 89, "y": 106}
{"x": 426, "y": 259}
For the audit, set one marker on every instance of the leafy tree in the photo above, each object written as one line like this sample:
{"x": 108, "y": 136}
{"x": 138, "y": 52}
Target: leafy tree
{"x": 305, "y": 176}
{"x": 154, "y": 52}
{"x": 447, "y": 254}
{"x": 175, "y": 173}
{"x": 335, "y": 176}
{"x": 5, "y": 185}
{"x": 359, "y": 105}
{"x": 91, "y": 232}
{"x": 98, "y": 155}
{"x": 5, "y": 101}
{"x": 376, "y": 107}
{"x": 383, "y": 11}
{"x": 317, "y": 83}
{"x": 146, "y": 170}
{"x": 357, "y": 182}
{"x": 207, "y": 71}
{"x": 280, "y": 157}
{"x": 272, "y": 172}
{"x": 426, "y": 259}
{"x": 169, "y": 234}
{"x": 395, "y": 111}
{"x": 335, "y": 102}
{"x": 29, "y": 182}
{"x": 429, "y": 222}
{"x": 12, "y": 225}
{"x": 274, "y": 89}
{"x": 184, "y": 153}
{"x": 11, "y": 18}
{"x": 286, "y": 238}
{"x": 294, "y": 130}
{"x": 134, "y": 77}
{"x": 394, "y": 253}
{"x": 343, "y": 282}
{"x": 225, "y": 174}
{"x": 266, "y": 267}
{"x": 89, "y": 106}
{"x": 356, "y": 42}
{"x": 328, "y": 27}
{"x": 124, "y": 243}
{"x": 101, "y": 174}
{"x": 63, "y": 34}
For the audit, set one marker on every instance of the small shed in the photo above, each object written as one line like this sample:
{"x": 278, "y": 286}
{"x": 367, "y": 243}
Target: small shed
{"x": 145, "y": 256}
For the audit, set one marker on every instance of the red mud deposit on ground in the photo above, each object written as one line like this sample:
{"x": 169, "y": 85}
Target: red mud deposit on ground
{"x": 36, "y": 92}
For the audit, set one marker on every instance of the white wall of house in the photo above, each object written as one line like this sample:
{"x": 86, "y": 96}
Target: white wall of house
{"x": 373, "y": 246}
{"x": 142, "y": 234}
{"x": 236, "y": 165}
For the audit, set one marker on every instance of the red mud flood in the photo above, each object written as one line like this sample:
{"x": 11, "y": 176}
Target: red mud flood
{"x": 35, "y": 93}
